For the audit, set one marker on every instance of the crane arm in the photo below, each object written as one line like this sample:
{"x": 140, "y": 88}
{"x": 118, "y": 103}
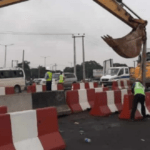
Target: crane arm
{"x": 4, "y": 3}
{"x": 117, "y": 10}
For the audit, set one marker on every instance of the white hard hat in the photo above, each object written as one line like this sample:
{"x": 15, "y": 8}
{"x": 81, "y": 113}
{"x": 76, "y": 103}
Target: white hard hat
{"x": 47, "y": 68}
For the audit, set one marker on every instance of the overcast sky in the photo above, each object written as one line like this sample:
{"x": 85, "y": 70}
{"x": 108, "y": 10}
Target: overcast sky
{"x": 63, "y": 17}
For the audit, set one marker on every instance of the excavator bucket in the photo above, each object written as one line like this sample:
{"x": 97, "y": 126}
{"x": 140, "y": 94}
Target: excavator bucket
{"x": 128, "y": 46}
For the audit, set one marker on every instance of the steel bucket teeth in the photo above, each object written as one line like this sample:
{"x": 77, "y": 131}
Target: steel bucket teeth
{"x": 128, "y": 46}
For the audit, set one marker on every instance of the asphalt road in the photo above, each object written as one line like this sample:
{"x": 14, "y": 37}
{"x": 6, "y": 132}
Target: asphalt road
{"x": 106, "y": 133}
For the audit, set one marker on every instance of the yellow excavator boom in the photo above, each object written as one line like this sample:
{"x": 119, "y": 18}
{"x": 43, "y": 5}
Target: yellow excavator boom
{"x": 117, "y": 10}
{"x": 130, "y": 45}
{"x": 4, "y": 3}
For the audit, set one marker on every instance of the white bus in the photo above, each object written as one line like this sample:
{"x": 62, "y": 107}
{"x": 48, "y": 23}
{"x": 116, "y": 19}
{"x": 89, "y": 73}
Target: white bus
{"x": 12, "y": 77}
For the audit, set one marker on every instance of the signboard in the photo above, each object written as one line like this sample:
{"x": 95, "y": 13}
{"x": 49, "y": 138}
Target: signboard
{"x": 106, "y": 65}
{"x": 4, "y": 3}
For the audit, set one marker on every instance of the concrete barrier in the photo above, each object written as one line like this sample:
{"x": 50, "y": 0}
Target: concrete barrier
{"x": 121, "y": 84}
{"x": 17, "y": 102}
{"x": 81, "y": 100}
{"x": 86, "y": 85}
{"x": 30, "y": 130}
{"x": 53, "y": 98}
{"x": 107, "y": 103}
{"x": 6, "y": 91}
{"x": 3, "y": 109}
{"x": 127, "y": 107}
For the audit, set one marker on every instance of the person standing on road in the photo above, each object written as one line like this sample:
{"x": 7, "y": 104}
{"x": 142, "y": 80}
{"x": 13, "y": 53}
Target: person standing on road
{"x": 48, "y": 77}
{"x": 139, "y": 97}
{"x": 61, "y": 78}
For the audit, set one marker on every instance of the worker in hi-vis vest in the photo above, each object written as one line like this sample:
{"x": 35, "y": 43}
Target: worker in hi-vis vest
{"x": 139, "y": 97}
{"x": 61, "y": 78}
{"x": 48, "y": 77}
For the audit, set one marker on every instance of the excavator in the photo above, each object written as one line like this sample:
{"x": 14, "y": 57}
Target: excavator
{"x": 129, "y": 46}
{"x": 4, "y": 3}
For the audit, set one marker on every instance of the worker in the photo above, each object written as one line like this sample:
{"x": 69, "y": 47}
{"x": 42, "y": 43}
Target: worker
{"x": 139, "y": 97}
{"x": 48, "y": 77}
{"x": 61, "y": 78}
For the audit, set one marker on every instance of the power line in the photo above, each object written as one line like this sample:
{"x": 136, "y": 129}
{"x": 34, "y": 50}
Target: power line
{"x": 32, "y": 33}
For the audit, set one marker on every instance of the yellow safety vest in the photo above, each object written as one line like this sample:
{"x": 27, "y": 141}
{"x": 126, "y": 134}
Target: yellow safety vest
{"x": 61, "y": 79}
{"x": 139, "y": 89}
{"x": 49, "y": 76}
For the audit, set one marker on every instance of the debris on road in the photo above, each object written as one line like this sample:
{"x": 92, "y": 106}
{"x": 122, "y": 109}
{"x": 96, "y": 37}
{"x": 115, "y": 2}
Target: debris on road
{"x": 143, "y": 140}
{"x": 87, "y": 140}
{"x": 76, "y": 123}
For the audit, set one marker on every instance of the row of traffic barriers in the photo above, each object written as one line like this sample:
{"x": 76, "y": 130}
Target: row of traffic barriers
{"x": 31, "y": 130}
{"x": 108, "y": 102}
{"x": 80, "y": 100}
{"x": 42, "y": 88}
{"x": 86, "y": 85}
{"x": 121, "y": 84}
{"x": 7, "y": 90}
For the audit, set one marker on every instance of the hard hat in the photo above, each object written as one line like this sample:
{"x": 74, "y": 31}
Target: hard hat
{"x": 47, "y": 68}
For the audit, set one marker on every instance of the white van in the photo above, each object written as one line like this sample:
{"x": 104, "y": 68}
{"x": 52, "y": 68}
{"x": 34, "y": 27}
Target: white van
{"x": 114, "y": 74}
{"x": 12, "y": 77}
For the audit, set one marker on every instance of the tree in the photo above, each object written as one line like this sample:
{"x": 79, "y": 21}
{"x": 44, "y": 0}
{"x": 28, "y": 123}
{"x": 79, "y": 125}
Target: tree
{"x": 89, "y": 66}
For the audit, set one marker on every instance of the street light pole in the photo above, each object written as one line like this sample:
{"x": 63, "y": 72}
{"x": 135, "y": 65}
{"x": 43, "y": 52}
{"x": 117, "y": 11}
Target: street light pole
{"x": 6, "y": 53}
{"x": 45, "y": 60}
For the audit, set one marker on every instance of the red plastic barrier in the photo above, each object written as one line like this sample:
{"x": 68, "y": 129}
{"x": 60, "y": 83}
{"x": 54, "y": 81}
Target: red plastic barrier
{"x": 72, "y": 100}
{"x": 105, "y": 89}
{"x": 87, "y": 85}
{"x": 75, "y": 86}
{"x": 31, "y": 89}
{"x": 6, "y": 142}
{"x": 100, "y": 106}
{"x": 9, "y": 90}
{"x": 48, "y": 131}
{"x": 122, "y": 84}
{"x": 147, "y": 101}
{"x": 60, "y": 87}
{"x": 127, "y": 107}
{"x": 3, "y": 109}
{"x": 115, "y": 86}
{"x": 95, "y": 84}
{"x": 129, "y": 83}
{"x": 117, "y": 97}
{"x": 44, "y": 88}
{"x": 91, "y": 96}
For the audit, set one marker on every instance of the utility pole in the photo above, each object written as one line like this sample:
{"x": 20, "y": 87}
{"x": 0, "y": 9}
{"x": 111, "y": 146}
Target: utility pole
{"x": 6, "y": 53}
{"x": 45, "y": 60}
{"x": 23, "y": 60}
{"x": 82, "y": 52}
{"x": 74, "y": 37}
{"x": 39, "y": 71}
{"x": 55, "y": 67}
{"x": 14, "y": 61}
{"x": 83, "y": 58}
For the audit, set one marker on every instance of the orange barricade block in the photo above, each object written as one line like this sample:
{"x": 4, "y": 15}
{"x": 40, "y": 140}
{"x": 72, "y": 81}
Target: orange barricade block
{"x": 100, "y": 106}
{"x": 127, "y": 107}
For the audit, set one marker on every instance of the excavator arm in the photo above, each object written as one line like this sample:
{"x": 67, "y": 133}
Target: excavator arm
{"x": 130, "y": 45}
{"x": 4, "y": 3}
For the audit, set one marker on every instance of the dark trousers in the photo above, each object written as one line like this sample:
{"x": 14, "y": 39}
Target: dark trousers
{"x": 48, "y": 85}
{"x": 138, "y": 98}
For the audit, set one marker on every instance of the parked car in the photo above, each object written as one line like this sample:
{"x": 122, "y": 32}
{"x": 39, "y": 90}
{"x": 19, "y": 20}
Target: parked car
{"x": 69, "y": 78}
